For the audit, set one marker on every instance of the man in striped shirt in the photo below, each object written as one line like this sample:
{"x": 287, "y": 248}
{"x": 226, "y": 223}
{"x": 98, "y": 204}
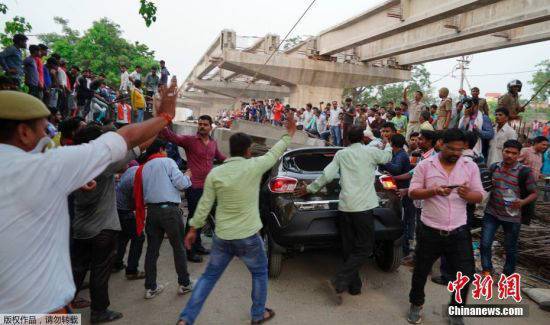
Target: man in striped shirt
{"x": 515, "y": 188}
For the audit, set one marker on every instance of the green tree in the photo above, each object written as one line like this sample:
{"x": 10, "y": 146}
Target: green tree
{"x": 17, "y": 25}
{"x": 382, "y": 94}
{"x": 101, "y": 48}
{"x": 540, "y": 78}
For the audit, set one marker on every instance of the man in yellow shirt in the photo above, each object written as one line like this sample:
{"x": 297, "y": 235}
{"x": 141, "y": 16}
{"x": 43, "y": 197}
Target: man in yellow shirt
{"x": 138, "y": 101}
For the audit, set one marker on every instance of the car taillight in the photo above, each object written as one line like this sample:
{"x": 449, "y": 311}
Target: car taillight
{"x": 283, "y": 185}
{"x": 388, "y": 183}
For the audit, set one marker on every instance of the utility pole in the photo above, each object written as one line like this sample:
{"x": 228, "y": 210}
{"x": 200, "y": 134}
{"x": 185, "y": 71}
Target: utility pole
{"x": 463, "y": 65}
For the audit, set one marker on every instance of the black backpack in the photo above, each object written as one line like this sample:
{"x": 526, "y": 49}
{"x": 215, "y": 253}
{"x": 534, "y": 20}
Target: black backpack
{"x": 485, "y": 174}
{"x": 527, "y": 211}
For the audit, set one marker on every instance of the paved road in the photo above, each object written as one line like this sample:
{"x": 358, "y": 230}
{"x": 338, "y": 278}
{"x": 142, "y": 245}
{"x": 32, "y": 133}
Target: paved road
{"x": 298, "y": 296}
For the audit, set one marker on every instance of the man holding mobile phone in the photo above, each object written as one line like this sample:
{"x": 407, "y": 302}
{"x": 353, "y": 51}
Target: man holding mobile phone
{"x": 445, "y": 182}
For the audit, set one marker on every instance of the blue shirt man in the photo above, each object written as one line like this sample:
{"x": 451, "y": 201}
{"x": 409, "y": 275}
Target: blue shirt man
{"x": 162, "y": 182}
{"x": 11, "y": 58}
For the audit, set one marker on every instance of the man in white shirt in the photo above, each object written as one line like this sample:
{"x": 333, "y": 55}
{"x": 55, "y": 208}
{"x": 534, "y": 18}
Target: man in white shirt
{"x": 307, "y": 115}
{"x": 136, "y": 75}
{"x": 125, "y": 83}
{"x": 35, "y": 273}
{"x": 503, "y": 133}
{"x": 334, "y": 123}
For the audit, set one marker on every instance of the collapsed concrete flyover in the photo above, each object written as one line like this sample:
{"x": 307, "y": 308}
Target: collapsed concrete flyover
{"x": 378, "y": 46}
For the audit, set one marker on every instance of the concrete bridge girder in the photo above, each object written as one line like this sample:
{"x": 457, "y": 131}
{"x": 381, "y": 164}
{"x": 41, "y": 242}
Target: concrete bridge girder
{"x": 310, "y": 80}
{"x": 500, "y": 16}
{"x": 291, "y": 71}
{"x": 390, "y": 18}
{"x": 241, "y": 89}
{"x": 517, "y": 36}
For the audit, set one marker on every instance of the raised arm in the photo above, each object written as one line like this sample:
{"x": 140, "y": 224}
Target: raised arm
{"x": 329, "y": 173}
{"x": 263, "y": 163}
{"x": 171, "y": 136}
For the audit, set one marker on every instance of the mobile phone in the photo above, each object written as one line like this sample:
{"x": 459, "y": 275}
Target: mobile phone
{"x": 451, "y": 186}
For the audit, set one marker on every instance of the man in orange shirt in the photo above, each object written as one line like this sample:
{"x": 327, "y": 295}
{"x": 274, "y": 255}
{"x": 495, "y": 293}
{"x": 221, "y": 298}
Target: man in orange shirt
{"x": 278, "y": 109}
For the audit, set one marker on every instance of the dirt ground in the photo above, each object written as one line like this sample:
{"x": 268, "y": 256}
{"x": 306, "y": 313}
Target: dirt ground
{"x": 298, "y": 296}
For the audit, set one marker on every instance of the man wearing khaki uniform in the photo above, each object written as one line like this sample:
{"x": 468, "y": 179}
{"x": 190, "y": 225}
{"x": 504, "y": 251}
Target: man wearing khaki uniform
{"x": 444, "y": 109}
{"x": 415, "y": 108}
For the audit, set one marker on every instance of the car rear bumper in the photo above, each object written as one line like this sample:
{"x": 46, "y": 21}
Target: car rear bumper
{"x": 319, "y": 228}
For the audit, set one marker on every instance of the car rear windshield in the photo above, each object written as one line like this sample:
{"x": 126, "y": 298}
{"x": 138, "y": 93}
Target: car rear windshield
{"x": 308, "y": 162}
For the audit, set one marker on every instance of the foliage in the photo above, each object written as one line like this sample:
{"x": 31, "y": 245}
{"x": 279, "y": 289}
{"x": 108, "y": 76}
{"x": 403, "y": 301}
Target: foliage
{"x": 539, "y": 79}
{"x": 3, "y": 8}
{"x": 18, "y": 25}
{"x": 382, "y": 94}
{"x": 101, "y": 48}
{"x": 148, "y": 10}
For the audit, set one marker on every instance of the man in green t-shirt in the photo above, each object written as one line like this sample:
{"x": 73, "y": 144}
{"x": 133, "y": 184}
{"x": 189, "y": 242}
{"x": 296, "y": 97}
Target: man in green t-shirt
{"x": 400, "y": 121}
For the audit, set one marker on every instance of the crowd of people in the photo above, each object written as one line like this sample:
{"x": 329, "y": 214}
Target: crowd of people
{"x": 108, "y": 183}
{"x": 69, "y": 91}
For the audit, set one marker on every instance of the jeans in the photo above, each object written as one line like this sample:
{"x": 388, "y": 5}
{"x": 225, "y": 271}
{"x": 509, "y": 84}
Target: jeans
{"x": 336, "y": 135}
{"x": 357, "y": 232}
{"x": 138, "y": 116}
{"x": 511, "y": 234}
{"x": 409, "y": 221}
{"x": 430, "y": 245}
{"x": 96, "y": 254}
{"x": 127, "y": 234}
{"x": 164, "y": 218}
{"x": 193, "y": 196}
{"x": 251, "y": 251}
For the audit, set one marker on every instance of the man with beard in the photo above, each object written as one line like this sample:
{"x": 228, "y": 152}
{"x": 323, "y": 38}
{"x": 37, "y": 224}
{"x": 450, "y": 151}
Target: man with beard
{"x": 201, "y": 150}
{"x": 445, "y": 182}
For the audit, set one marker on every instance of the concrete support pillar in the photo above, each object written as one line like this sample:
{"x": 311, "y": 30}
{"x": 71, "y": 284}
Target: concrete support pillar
{"x": 300, "y": 95}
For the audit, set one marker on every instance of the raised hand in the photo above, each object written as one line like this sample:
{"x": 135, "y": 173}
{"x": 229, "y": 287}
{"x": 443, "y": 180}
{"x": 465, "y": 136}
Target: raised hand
{"x": 167, "y": 98}
{"x": 290, "y": 123}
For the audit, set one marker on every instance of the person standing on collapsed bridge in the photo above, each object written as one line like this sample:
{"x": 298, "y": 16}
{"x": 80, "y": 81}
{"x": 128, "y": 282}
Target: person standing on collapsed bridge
{"x": 201, "y": 150}
{"x": 415, "y": 108}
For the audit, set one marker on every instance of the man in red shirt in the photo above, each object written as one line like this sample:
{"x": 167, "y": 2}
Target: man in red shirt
{"x": 200, "y": 150}
{"x": 278, "y": 109}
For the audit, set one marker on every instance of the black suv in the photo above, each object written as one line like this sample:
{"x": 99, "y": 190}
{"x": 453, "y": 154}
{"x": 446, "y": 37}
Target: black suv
{"x": 295, "y": 224}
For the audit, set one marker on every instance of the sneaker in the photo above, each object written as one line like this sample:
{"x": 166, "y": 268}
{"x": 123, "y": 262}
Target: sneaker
{"x": 104, "y": 316}
{"x": 415, "y": 314}
{"x": 150, "y": 294}
{"x": 456, "y": 320}
{"x": 135, "y": 276}
{"x": 186, "y": 289}
{"x": 440, "y": 280}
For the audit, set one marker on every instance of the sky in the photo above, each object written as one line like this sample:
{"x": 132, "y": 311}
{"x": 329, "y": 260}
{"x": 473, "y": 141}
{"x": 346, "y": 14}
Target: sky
{"x": 185, "y": 29}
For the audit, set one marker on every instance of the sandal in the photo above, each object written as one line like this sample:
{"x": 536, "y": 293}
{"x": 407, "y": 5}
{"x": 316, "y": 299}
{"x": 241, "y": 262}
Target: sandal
{"x": 265, "y": 319}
